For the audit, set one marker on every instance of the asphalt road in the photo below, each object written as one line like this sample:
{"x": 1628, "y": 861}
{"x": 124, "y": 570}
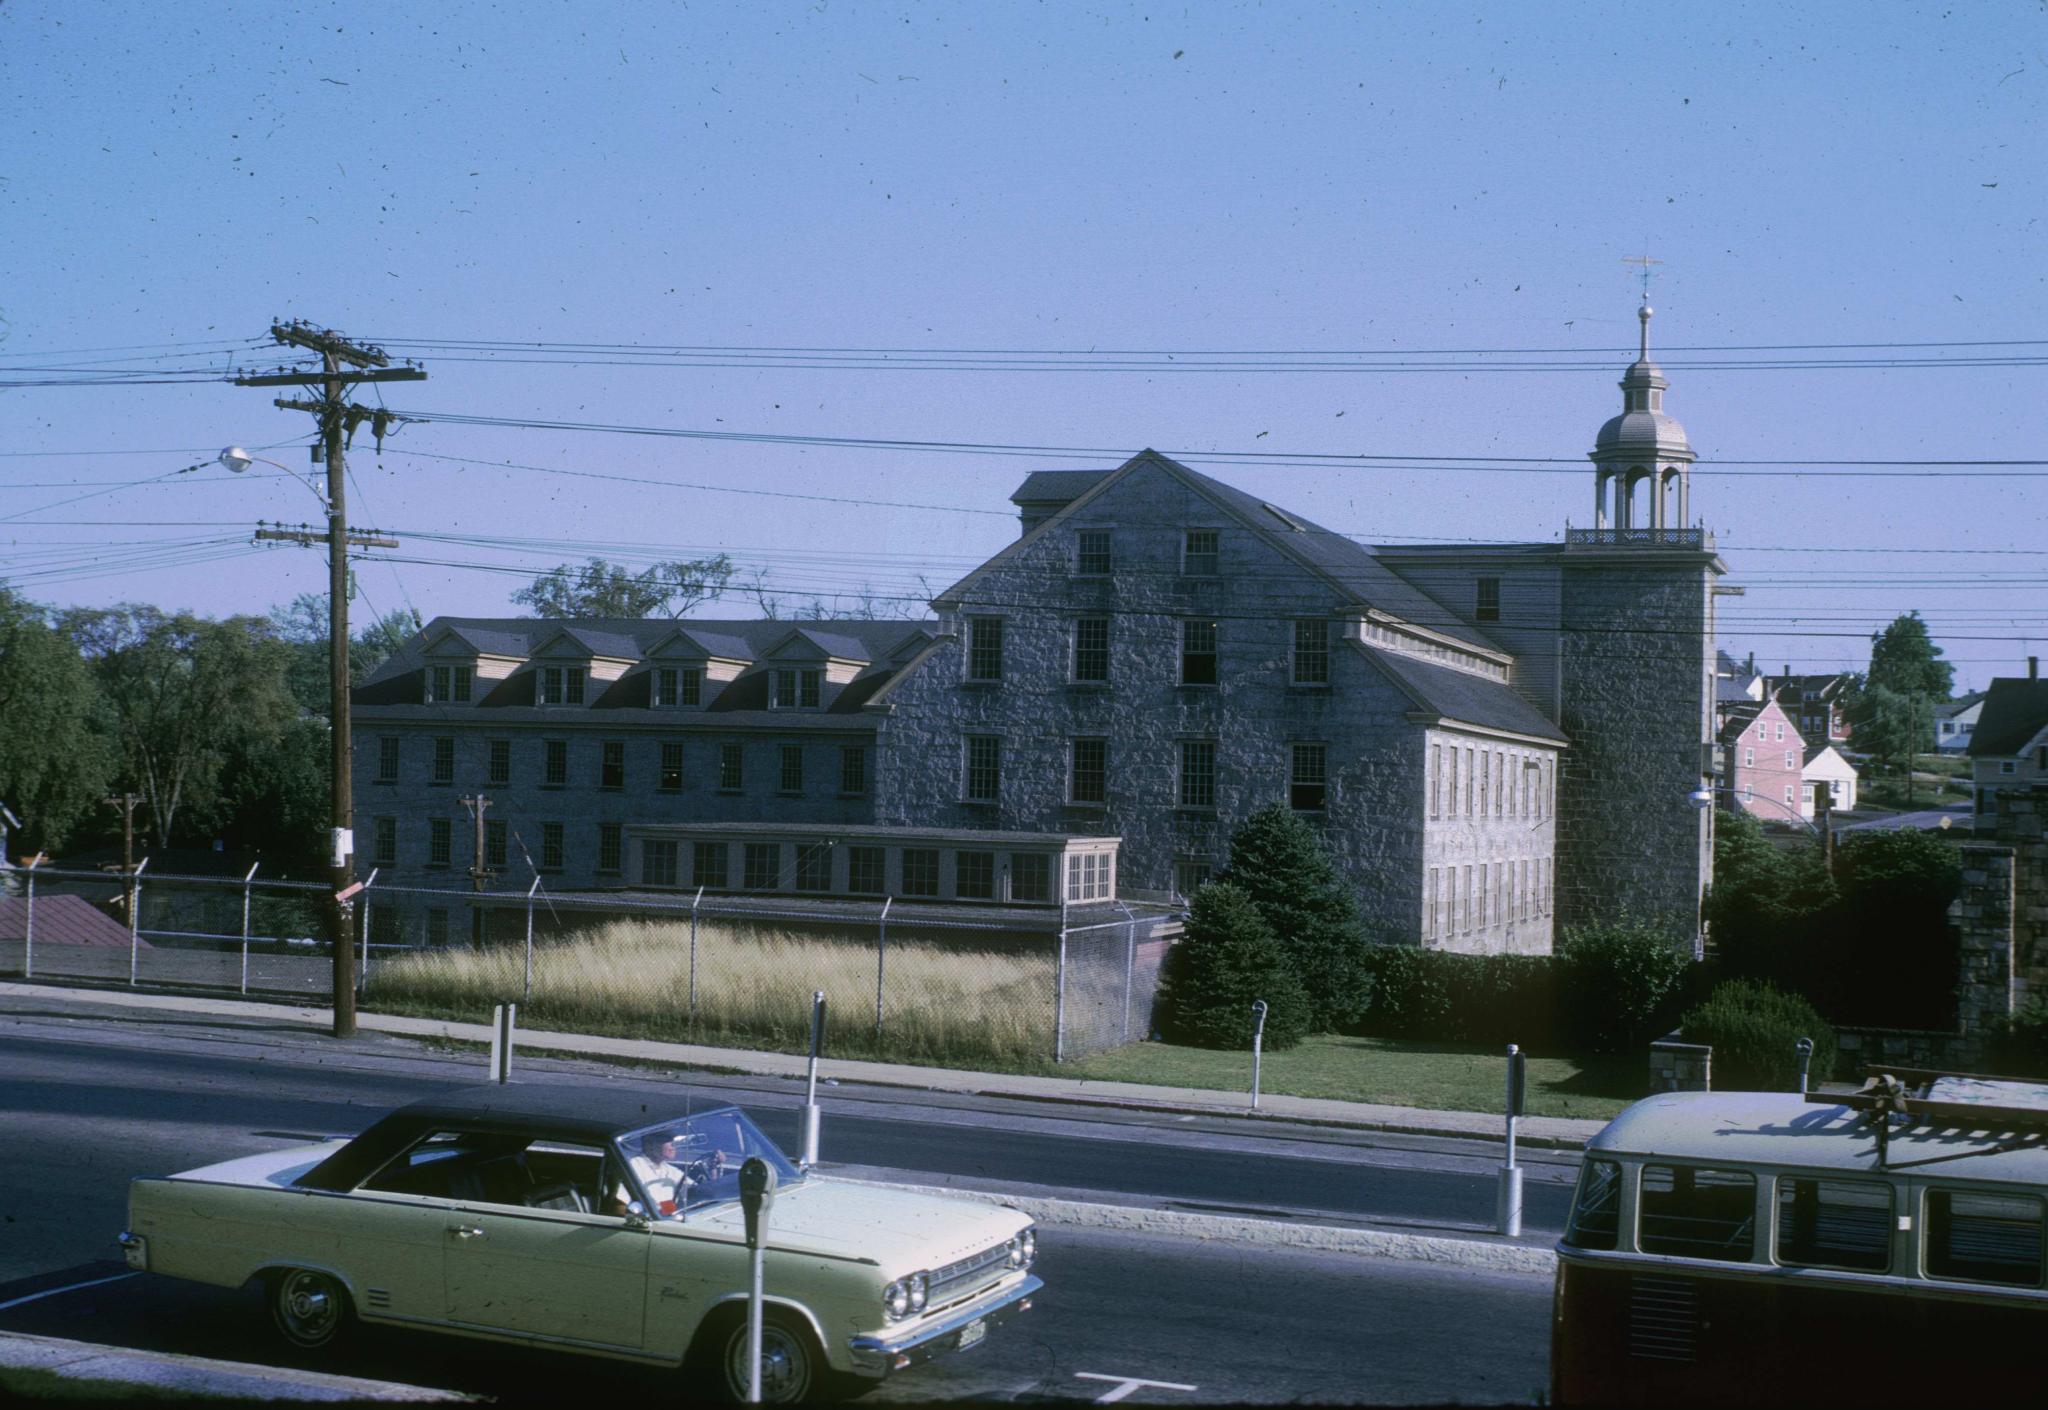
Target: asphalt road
{"x": 88, "y": 1102}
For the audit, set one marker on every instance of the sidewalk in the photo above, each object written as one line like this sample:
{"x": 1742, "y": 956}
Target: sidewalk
{"x": 1551, "y": 1132}
{"x": 34, "y": 1369}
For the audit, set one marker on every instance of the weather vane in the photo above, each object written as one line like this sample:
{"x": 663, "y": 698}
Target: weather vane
{"x": 1645, "y": 261}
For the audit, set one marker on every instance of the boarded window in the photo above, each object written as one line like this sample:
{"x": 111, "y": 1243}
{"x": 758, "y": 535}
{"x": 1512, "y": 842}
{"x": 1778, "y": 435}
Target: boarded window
{"x": 1690, "y": 1212}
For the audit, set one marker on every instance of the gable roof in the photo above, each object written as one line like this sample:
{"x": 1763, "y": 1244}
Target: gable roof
{"x": 62, "y": 920}
{"x": 2015, "y": 711}
{"x": 1814, "y": 753}
{"x": 1961, "y": 703}
{"x": 482, "y": 640}
{"x": 1057, "y": 486}
{"x": 1345, "y": 564}
{"x": 1460, "y": 696}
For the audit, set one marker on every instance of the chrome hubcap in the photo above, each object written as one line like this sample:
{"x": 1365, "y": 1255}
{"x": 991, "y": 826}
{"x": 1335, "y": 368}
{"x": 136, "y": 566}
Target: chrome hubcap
{"x": 783, "y": 1367}
{"x": 308, "y": 1306}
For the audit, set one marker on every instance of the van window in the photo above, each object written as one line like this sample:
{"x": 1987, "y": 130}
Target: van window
{"x": 1596, "y": 1211}
{"x": 1834, "y": 1224}
{"x": 1985, "y": 1238}
{"x": 1691, "y": 1212}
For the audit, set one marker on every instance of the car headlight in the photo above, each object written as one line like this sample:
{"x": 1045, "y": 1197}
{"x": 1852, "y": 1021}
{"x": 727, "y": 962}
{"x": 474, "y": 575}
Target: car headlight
{"x": 1024, "y": 1248}
{"x": 896, "y": 1300}
{"x": 920, "y": 1291}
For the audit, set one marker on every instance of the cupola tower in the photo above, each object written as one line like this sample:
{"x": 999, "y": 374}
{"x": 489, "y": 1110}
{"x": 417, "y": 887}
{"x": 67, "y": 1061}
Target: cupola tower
{"x": 1641, "y": 459}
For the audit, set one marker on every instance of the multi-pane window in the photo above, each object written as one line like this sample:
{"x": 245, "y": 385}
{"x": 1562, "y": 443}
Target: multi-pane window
{"x": 1487, "y": 608}
{"x": 1088, "y": 775}
{"x": 611, "y": 843}
{"x": 444, "y": 760}
{"x": 1485, "y": 779}
{"x": 562, "y": 685}
{"x": 709, "y": 862}
{"x": 669, "y": 779}
{"x": 797, "y": 689}
{"x": 864, "y": 870}
{"x": 1198, "y": 553}
{"x": 678, "y": 685}
{"x": 1198, "y": 653}
{"x": 791, "y": 777}
{"x": 658, "y": 861}
{"x": 1091, "y": 876}
{"x": 761, "y": 866}
{"x": 1791, "y": 760}
{"x": 448, "y": 685}
{"x": 387, "y": 759}
{"x": 495, "y": 833}
{"x": 1190, "y": 874}
{"x": 814, "y": 866}
{"x": 984, "y": 648}
{"x": 1030, "y": 876}
{"x": 1091, "y": 649}
{"x": 730, "y": 777}
{"x": 554, "y": 771}
{"x": 1092, "y": 555}
{"x": 1436, "y": 780}
{"x": 1198, "y": 773}
{"x": 440, "y": 842}
{"x": 974, "y": 876}
{"x": 611, "y": 765}
{"x": 920, "y": 871}
{"x": 499, "y": 753}
{"x": 853, "y": 768}
{"x": 984, "y": 781}
{"x": 386, "y": 853}
{"x": 1429, "y": 907}
{"x": 551, "y": 846}
{"x": 1312, "y": 652}
{"x": 1308, "y": 777}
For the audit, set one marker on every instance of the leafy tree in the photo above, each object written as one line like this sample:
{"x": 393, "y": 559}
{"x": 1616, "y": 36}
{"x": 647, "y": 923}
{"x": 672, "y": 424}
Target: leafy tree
{"x": 1278, "y": 861}
{"x": 1888, "y": 725}
{"x": 302, "y": 624}
{"x": 601, "y": 588}
{"x": 1904, "y": 658}
{"x": 1228, "y": 958}
{"x": 186, "y": 695}
{"x": 1617, "y": 983}
{"x": 274, "y": 797}
{"x": 54, "y": 750}
{"x": 1767, "y": 901}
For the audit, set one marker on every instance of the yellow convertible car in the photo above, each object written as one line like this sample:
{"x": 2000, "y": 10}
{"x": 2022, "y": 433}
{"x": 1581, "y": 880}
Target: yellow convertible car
{"x": 591, "y": 1219}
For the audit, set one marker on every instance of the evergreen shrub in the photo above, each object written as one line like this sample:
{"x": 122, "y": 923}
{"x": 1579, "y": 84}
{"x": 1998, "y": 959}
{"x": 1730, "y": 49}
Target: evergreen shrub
{"x": 1228, "y": 957}
{"x": 1437, "y": 995}
{"x": 1618, "y": 985}
{"x": 1278, "y": 862}
{"x": 1753, "y": 1029}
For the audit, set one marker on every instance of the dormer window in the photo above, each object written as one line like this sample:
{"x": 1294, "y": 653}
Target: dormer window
{"x": 449, "y": 685}
{"x": 562, "y": 685}
{"x": 675, "y": 686}
{"x": 797, "y": 689}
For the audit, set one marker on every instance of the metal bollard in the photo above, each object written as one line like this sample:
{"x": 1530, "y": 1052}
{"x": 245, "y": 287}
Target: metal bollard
{"x": 1804, "y": 1047}
{"x": 810, "y": 1141}
{"x": 1258, "y": 1043}
{"x": 504, "y": 1023}
{"x": 1508, "y": 1208}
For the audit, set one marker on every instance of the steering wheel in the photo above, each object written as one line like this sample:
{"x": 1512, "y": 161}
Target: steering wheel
{"x": 704, "y": 1171}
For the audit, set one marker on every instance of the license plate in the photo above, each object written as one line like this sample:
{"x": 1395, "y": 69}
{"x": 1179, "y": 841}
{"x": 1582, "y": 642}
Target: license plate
{"x": 973, "y": 1332}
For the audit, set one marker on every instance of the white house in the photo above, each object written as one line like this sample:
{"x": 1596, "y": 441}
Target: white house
{"x": 1956, "y": 721}
{"x": 1825, "y": 764}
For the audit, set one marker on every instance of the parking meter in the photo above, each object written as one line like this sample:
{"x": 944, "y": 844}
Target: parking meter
{"x": 757, "y": 1196}
{"x": 1258, "y": 1041}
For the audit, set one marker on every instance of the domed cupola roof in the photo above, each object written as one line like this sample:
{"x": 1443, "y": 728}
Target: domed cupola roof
{"x": 1642, "y": 430}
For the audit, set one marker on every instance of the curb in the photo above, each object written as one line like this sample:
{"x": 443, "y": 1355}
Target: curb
{"x": 173, "y": 1376}
{"x": 1499, "y": 1257}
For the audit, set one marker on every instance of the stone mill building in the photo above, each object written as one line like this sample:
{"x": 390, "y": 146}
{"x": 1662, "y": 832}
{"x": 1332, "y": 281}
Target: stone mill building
{"x": 1495, "y": 740}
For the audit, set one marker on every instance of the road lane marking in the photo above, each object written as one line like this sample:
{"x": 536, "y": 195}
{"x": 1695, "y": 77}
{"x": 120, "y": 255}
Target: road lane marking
{"x": 73, "y": 1287}
{"x": 1126, "y": 1384}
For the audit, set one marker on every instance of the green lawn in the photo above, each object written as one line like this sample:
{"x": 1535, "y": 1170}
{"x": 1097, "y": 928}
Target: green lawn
{"x": 1439, "y": 1076}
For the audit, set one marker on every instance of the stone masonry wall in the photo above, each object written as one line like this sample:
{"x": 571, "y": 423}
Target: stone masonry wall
{"x": 1637, "y": 644}
{"x": 2002, "y": 912}
{"x": 1373, "y": 821}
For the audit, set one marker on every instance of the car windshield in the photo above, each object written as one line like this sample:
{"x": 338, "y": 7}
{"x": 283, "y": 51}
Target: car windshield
{"x": 686, "y": 1163}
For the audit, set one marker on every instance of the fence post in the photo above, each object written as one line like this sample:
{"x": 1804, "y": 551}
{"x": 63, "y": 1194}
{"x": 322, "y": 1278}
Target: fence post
{"x": 1130, "y": 963}
{"x": 247, "y": 887}
{"x": 526, "y": 987}
{"x": 881, "y": 959}
{"x": 363, "y": 969}
{"x": 1059, "y": 998}
{"x": 135, "y": 920}
{"x": 28, "y": 931}
{"x": 504, "y": 1022}
{"x": 694, "y": 903}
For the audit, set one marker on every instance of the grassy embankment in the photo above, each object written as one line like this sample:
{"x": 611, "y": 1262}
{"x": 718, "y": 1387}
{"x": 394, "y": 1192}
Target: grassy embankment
{"x": 944, "y": 1004}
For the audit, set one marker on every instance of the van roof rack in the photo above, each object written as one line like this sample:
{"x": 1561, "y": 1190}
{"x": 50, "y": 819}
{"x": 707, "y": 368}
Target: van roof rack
{"x": 2009, "y": 1112}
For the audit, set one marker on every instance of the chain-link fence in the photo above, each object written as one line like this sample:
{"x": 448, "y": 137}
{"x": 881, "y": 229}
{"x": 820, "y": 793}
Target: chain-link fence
{"x": 922, "y": 983}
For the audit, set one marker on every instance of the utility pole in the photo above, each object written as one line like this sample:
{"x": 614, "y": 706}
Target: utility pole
{"x": 125, "y": 803}
{"x": 337, "y": 420}
{"x": 477, "y": 873}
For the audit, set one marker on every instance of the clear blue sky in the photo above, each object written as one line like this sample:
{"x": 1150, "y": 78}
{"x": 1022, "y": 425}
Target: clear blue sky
{"x": 1019, "y": 176}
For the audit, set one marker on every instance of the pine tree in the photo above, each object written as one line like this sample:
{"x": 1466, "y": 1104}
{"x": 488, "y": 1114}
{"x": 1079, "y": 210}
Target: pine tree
{"x": 1279, "y": 862}
{"x": 1228, "y": 958}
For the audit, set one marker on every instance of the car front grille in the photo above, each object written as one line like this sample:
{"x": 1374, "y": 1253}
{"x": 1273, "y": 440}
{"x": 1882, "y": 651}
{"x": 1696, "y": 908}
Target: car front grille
{"x": 968, "y": 1276}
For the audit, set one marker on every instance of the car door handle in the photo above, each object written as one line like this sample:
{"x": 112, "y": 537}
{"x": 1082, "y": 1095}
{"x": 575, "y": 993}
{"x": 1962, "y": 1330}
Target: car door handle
{"x": 466, "y": 1231}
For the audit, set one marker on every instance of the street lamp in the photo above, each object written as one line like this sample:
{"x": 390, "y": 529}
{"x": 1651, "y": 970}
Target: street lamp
{"x": 239, "y": 460}
{"x": 1704, "y": 798}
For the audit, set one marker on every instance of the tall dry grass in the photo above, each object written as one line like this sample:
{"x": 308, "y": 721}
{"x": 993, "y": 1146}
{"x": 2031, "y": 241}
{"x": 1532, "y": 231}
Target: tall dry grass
{"x": 943, "y": 1003}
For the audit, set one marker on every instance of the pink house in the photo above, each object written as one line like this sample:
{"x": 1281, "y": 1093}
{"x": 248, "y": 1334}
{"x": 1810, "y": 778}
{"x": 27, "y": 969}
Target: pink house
{"x": 1766, "y": 760}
